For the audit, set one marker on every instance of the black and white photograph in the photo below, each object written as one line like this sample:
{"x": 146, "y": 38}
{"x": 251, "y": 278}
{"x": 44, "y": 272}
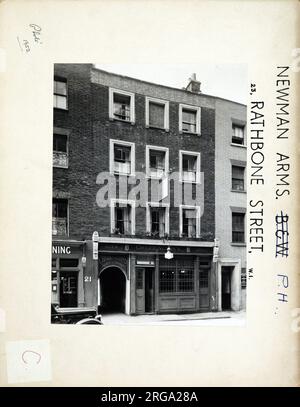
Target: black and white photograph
{"x": 149, "y": 194}
{"x": 149, "y": 198}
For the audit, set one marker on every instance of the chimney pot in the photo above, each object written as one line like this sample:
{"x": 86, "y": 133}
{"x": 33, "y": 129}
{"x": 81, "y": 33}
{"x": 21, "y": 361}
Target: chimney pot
{"x": 194, "y": 84}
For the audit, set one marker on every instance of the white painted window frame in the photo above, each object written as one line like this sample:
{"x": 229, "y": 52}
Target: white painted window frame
{"x": 198, "y": 166}
{"x": 167, "y": 214}
{"x": 157, "y": 148}
{"x": 112, "y": 143}
{"x": 112, "y": 91}
{"x": 196, "y": 109}
{"x": 113, "y": 203}
{"x": 165, "y": 103}
{"x": 197, "y": 208}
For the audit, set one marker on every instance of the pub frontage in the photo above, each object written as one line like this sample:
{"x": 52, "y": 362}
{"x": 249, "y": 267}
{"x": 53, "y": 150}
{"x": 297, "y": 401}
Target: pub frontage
{"x": 139, "y": 276}
{"x": 143, "y": 276}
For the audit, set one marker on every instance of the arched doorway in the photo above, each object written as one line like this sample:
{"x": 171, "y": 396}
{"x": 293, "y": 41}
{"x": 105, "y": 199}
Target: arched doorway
{"x": 112, "y": 290}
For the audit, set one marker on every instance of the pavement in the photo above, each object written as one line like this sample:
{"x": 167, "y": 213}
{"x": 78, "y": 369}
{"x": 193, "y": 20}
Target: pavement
{"x": 228, "y": 318}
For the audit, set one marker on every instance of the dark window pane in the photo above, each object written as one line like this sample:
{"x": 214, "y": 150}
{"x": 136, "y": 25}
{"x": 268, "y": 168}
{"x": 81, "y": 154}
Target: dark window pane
{"x": 185, "y": 279}
{"x": 60, "y": 143}
{"x": 203, "y": 278}
{"x": 156, "y": 115}
{"x": 139, "y": 278}
{"x": 122, "y": 107}
{"x": 237, "y": 134}
{"x": 68, "y": 262}
{"x": 238, "y": 227}
{"x": 238, "y": 178}
{"x": 167, "y": 279}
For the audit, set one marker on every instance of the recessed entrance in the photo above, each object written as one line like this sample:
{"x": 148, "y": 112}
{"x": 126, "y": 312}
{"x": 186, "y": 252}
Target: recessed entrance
{"x": 226, "y": 287}
{"x": 144, "y": 290}
{"x": 113, "y": 289}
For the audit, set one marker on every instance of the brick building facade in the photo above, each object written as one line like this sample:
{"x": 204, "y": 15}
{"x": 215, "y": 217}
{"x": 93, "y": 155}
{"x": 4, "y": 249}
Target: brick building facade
{"x": 159, "y": 149}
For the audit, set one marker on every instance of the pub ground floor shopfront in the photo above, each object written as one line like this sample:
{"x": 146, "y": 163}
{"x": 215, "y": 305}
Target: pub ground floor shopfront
{"x": 135, "y": 278}
{"x": 132, "y": 276}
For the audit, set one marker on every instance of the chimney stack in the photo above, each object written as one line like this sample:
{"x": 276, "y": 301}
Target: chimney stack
{"x": 194, "y": 84}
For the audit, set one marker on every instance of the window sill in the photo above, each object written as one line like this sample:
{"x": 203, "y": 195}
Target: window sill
{"x": 238, "y": 244}
{"x": 124, "y": 174}
{"x": 238, "y": 145}
{"x": 60, "y": 166}
{"x": 149, "y": 176}
{"x": 115, "y": 119}
{"x": 189, "y": 132}
{"x": 239, "y": 192}
{"x": 183, "y": 181}
{"x": 157, "y": 128}
{"x": 61, "y": 109}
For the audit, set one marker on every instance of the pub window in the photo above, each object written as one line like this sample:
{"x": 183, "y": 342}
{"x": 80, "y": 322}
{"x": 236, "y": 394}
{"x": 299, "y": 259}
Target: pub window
{"x": 243, "y": 278}
{"x": 68, "y": 263}
{"x": 167, "y": 279}
{"x": 122, "y": 157}
{"x": 238, "y": 175}
{"x": 60, "y": 217}
{"x": 60, "y": 150}
{"x": 189, "y": 166}
{"x": 238, "y": 227}
{"x": 176, "y": 276}
{"x": 121, "y": 105}
{"x": 60, "y": 94}
{"x": 185, "y": 279}
{"x": 238, "y": 134}
{"x": 189, "y": 119}
{"x": 157, "y": 161}
{"x": 157, "y": 113}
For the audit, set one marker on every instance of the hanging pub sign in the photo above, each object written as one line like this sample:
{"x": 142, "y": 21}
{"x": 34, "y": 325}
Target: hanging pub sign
{"x": 95, "y": 245}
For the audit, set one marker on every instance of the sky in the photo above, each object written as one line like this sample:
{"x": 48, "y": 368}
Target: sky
{"x": 224, "y": 80}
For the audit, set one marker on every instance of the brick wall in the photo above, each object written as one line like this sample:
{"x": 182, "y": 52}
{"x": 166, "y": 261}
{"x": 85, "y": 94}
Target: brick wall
{"x": 91, "y": 130}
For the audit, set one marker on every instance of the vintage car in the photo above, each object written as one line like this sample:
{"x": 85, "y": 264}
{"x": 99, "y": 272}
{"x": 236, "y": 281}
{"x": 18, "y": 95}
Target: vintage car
{"x": 78, "y": 315}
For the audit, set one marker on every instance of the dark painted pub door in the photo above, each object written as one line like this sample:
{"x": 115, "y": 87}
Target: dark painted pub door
{"x": 144, "y": 290}
{"x": 204, "y": 289}
{"x": 68, "y": 289}
{"x": 226, "y": 287}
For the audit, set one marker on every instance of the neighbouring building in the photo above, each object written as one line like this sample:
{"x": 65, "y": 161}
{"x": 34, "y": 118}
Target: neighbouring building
{"x": 149, "y": 195}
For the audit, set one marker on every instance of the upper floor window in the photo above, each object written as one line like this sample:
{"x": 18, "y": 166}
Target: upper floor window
{"x": 60, "y": 217}
{"x": 157, "y": 161}
{"x": 238, "y": 178}
{"x": 60, "y": 150}
{"x": 157, "y": 219}
{"x": 238, "y": 227}
{"x": 122, "y": 157}
{"x": 189, "y": 221}
{"x": 121, "y": 105}
{"x": 60, "y": 94}
{"x": 189, "y": 166}
{"x": 157, "y": 113}
{"x": 122, "y": 217}
{"x": 238, "y": 134}
{"x": 189, "y": 119}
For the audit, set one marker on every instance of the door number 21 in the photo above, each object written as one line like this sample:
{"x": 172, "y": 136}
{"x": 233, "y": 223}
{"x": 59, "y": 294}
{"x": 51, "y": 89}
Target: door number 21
{"x": 87, "y": 279}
